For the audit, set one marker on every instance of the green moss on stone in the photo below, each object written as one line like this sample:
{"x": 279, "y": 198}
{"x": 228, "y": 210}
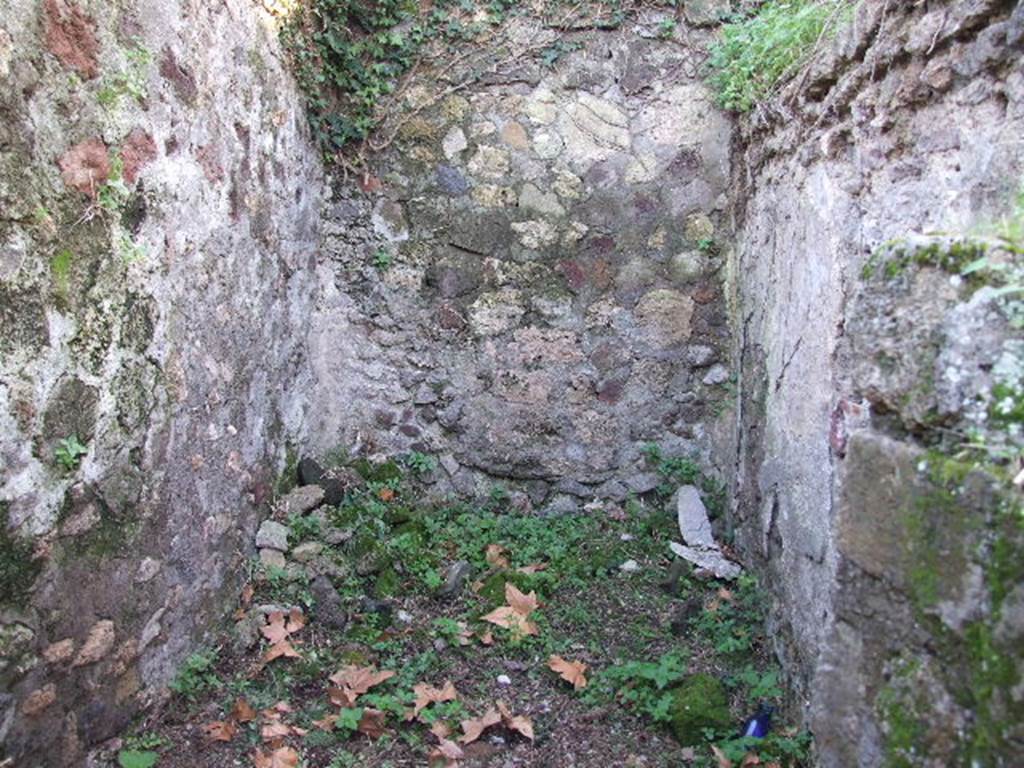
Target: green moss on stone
{"x": 699, "y": 704}
{"x": 377, "y": 473}
{"x": 19, "y": 566}
{"x": 60, "y": 268}
{"x": 387, "y": 583}
{"x": 289, "y": 477}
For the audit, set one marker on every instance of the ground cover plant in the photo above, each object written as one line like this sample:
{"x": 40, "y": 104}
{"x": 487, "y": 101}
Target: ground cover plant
{"x": 550, "y": 653}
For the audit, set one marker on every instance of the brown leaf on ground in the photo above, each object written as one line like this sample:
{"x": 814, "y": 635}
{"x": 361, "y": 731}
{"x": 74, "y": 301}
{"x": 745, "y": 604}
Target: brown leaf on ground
{"x": 327, "y": 724}
{"x": 220, "y": 730}
{"x": 726, "y": 594}
{"x": 275, "y": 730}
{"x": 277, "y": 629}
{"x": 242, "y": 712}
{"x": 487, "y": 638}
{"x": 342, "y": 697}
{"x": 359, "y": 680}
{"x": 496, "y": 555}
{"x": 372, "y": 723}
{"x": 445, "y": 755}
{"x": 385, "y": 494}
{"x": 279, "y": 649}
{"x": 519, "y": 723}
{"x": 472, "y": 729}
{"x": 570, "y": 671}
{"x": 508, "y": 617}
{"x": 520, "y": 603}
{"x": 428, "y": 694}
{"x": 283, "y": 757}
{"x": 247, "y": 592}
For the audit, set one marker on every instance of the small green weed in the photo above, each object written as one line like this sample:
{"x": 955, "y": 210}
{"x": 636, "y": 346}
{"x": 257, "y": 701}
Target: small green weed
{"x": 420, "y": 463}
{"x": 736, "y": 623}
{"x": 641, "y": 685}
{"x": 113, "y": 196}
{"x": 759, "y": 686}
{"x": 707, "y": 245}
{"x": 196, "y": 675}
{"x": 129, "y": 82}
{"x": 782, "y": 748}
{"x": 69, "y": 453}
{"x": 382, "y": 260}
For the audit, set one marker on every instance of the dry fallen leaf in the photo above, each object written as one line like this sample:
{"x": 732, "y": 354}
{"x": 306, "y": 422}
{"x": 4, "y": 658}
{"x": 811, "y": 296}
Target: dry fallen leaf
{"x": 519, "y": 723}
{"x": 278, "y": 649}
{"x": 283, "y": 757}
{"x": 342, "y": 697}
{"x": 359, "y": 680}
{"x": 247, "y": 592}
{"x": 445, "y": 755}
{"x": 570, "y": 671}
{"x": 242, "y": 712}
{"x": 275, "y": 730}
{"x": 220, "y": 730}
{"x": 472, "y": 729}
{"x": 385, "y": 494}
{"x": 524, "y": 604}
{"x": 327, "y": 724}
{"x": 496, "y": 556}
{"x": 726, "y": 594}
{"x": 428, "y": 694}
{"x": 723, "y": 761}
{"x": 277, "y": 629}
{"x": 487, "y": 638}
{"x": 510, "y": 619}
{"x": 515, "y": 615}
{"x": 372, "y": 723}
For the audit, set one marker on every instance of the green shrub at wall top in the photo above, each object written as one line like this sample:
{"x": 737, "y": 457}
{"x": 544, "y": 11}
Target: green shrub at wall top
{"x": 755, "y": 53}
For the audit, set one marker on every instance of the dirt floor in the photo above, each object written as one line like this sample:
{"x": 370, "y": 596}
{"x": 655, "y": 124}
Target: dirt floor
{"x": 589, "y": 590}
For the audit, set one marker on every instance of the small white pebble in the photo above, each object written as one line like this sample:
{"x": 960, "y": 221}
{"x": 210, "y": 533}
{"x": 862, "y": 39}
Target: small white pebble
{"x": 404, "y": 616}
{"x": 630, "y": 566}
{"x": 504, "y": 680}
{"x": 626, "y": 537}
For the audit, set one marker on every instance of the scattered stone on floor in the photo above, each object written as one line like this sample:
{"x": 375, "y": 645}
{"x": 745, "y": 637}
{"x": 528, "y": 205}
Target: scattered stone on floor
{"x": 700, "y": 548}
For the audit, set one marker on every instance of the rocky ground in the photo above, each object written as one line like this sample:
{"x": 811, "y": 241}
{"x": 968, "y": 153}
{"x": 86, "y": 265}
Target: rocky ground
{"x": 378, "y": 631}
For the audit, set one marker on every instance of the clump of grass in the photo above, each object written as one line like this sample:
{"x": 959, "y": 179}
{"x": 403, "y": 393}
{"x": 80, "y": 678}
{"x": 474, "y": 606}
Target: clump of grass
{"x": 755, "y": 53}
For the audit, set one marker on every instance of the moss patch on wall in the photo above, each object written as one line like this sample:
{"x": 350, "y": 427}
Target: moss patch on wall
{"x": 19, "y": 566}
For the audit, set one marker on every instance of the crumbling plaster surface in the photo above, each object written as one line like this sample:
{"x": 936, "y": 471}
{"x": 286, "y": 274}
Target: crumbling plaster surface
{"x": 167, "y": 332}
{"x": 909, "y": 124}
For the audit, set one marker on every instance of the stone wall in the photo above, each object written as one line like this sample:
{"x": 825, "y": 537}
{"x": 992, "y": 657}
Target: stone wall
{"x": 530, "y": 285}
{"x": 892, "y": 606}
{"x": 158, "y": 223}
